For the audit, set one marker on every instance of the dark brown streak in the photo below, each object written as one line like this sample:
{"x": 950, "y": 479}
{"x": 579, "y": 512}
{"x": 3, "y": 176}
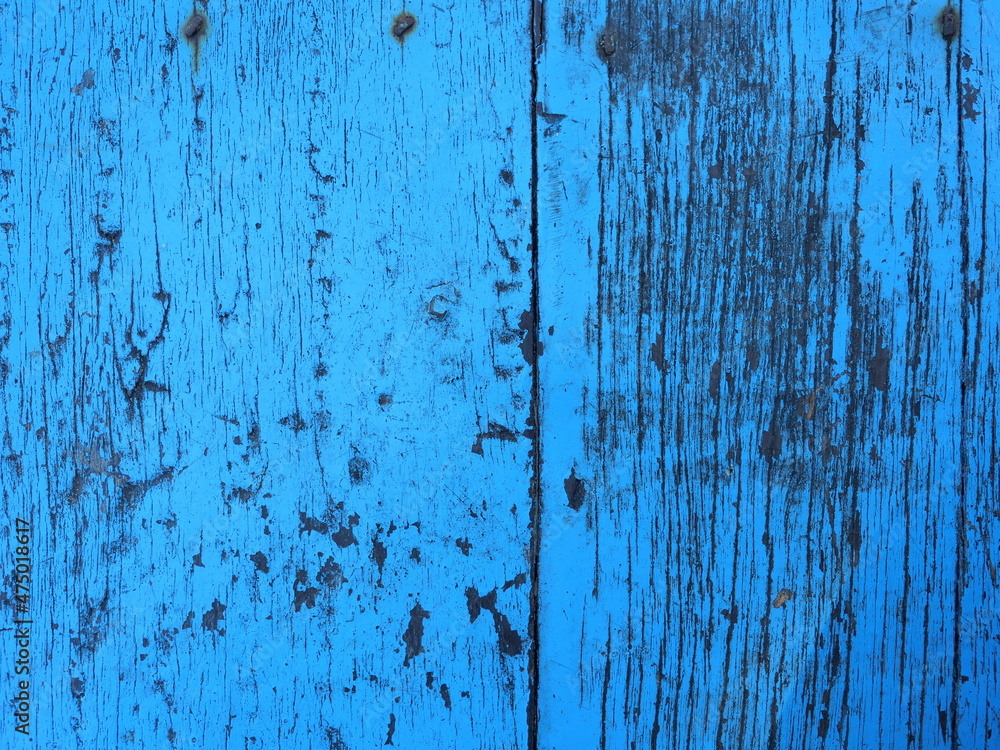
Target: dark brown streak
{"x": 194, "y": 30}
{"x": 970, "y": 364}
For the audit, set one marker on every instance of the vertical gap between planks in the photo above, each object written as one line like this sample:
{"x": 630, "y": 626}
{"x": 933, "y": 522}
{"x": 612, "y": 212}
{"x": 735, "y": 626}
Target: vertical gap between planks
{"x": 969, "y": 370}
{"x": 535, "y": 20}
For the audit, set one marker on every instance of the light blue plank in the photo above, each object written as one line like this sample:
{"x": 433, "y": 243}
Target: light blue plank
{"x": 768, "y": 294}
{"x": 263, "y": 290}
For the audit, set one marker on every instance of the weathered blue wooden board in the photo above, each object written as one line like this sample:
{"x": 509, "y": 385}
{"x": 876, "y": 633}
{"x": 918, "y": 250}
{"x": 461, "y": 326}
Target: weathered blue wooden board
{"x": 768, "y": 298}
{"x": 264, "y": 393}
{"x": 535, "y": 375}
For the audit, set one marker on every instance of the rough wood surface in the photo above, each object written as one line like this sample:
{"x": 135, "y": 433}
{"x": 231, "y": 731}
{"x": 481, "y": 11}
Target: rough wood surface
{"x": 768, "y": 297}
{"x": 548, "y": 375}
{"x": 264, "y": 388}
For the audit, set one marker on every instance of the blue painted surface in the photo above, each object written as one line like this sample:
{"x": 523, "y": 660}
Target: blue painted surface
{"x": 769, "y": 411}
{"x": 298, "y": 475}
{"x": 258, "y": 314}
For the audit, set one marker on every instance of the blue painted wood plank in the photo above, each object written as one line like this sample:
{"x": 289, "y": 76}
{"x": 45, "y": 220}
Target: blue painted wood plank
{"x": 267, "y": 342}
{"x": 768, "y": 287}
{"x": 265, "y": 398}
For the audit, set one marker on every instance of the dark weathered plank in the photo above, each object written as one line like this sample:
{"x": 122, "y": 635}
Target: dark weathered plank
{"x": 768, "y": 288}
{"x": 264, "y": 390}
